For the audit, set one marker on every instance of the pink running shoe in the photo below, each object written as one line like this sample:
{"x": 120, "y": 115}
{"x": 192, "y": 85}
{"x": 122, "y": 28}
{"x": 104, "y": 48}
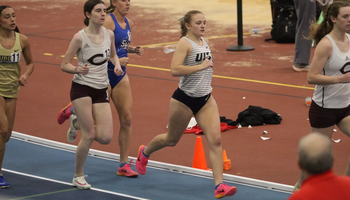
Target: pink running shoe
{"x": 64, "y": 114}
{"x": 224, "y": 190}
{"x": 127, "y": 171}
{"x": 141, "y": 161}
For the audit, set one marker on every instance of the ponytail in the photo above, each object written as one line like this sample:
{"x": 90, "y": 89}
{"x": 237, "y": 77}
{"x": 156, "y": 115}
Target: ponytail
{"x": 183, "y": 27}
{"x": 16, "y": 29}
{"x": 318, "y": 31}
{"x": 111, "y": 8}
{"x": 86, "y": 21}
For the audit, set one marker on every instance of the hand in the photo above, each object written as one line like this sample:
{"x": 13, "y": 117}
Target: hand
{"x": 124, "y": 61}
{"x": 345, "y": 78}
{"x": 207, "y": 63}
{"x": 83, "y": 70}
{"x": 138, "y": 50}
{"x": 22, "y": 80}
{"x": 118, "y": 70}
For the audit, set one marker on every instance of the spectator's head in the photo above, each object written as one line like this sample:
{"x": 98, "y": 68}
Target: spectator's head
{"x": 315, "y": 153}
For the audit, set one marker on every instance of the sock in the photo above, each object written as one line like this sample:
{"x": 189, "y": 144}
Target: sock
{"x": 216, "y": 187}
{"x": 122, "y": 164}
{"x": 71, "y": 110}
{"x": 144, "y": 155}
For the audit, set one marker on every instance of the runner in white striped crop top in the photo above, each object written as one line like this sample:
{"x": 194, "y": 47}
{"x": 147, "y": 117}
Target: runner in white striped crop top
{"x": 197, "y": 84}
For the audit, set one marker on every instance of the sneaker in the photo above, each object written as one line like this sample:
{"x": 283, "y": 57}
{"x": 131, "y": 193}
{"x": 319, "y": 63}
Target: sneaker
{"x": 81, "y": 183}
{"x": 301, "y": 67}
{"x": 141, "y": 161}
{"x": 3, "y": 183}
{"x": 65, "y": 113}
{"x": 127, "y": 171}
{"x": 224, "y": 190}
{"x": 72, "y": 131}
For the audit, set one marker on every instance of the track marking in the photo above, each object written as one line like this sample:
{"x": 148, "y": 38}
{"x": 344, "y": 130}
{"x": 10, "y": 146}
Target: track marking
{"x": 44, "y": 194}
{"x": 215, "y": 76}
{"x": 226, "y": 77}
{"x": 66, "y": 183}
{"x": 231, "y": 78}
{"x": 211, "y": 37}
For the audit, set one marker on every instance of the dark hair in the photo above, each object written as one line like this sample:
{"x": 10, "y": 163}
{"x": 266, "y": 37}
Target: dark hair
{"x": 111, "y": 8}
{"x": 88, "y": 7}
{"x": 316, "y": 163}
{"x": 318, "y": 31}
{"x": 3, "y": 8}
{"x": 187, "y": 20}
{"x": 16, "y": 29}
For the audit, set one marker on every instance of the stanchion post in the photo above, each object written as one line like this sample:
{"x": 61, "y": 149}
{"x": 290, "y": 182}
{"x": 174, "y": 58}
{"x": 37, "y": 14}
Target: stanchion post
{"x": 240, "y": 46}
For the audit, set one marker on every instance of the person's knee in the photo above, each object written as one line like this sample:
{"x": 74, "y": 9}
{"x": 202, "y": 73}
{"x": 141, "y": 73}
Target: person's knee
{"x": 125, "y": 121}
{"x": 4, "y": 131}
{"x": 104, "y": 136}
{"x": 171, "y": 142}
{"x": 105, "y": 140}
{"x": 215, "y": 141}
{"x": 89, "y": 134}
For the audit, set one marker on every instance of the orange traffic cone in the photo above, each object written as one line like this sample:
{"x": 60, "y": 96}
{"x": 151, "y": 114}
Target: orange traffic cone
{"x": 227, "y": 162}
{"x": 199, "y": 161}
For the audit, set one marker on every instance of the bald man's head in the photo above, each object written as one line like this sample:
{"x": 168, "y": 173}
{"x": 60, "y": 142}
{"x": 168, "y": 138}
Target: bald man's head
{"x": 315, "y": 153}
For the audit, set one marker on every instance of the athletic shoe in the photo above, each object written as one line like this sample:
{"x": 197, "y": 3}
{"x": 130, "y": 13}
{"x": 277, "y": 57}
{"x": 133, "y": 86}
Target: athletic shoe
{"x": 141, "y": 161}
{"x": 127, "y": 171}
{"x": 81, "y": 183}
{"x": 224, "y": 190}
{"x": 301, "y": 67}
{"x": 72, "y": 131}
{"x": 3, "y": 183}
{"x": 64, "y": 114}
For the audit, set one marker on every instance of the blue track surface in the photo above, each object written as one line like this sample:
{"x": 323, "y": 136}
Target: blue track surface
{"x": 58, "y": 165}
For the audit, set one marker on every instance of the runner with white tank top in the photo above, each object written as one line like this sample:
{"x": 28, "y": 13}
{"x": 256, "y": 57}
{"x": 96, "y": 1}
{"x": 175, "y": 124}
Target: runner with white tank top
{"x": 94, "y": 46}
{"x": 192, "y": 62}
{"x": 96, "y": 57}
{"x": 330, "y": 73}
{"x": 197, "y": 84}
{"x": 335, "y": 95}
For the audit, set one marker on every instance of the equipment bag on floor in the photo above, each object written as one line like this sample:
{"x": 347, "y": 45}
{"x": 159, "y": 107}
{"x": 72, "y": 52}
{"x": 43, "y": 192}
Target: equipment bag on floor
{"x": 284, "y": 20}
